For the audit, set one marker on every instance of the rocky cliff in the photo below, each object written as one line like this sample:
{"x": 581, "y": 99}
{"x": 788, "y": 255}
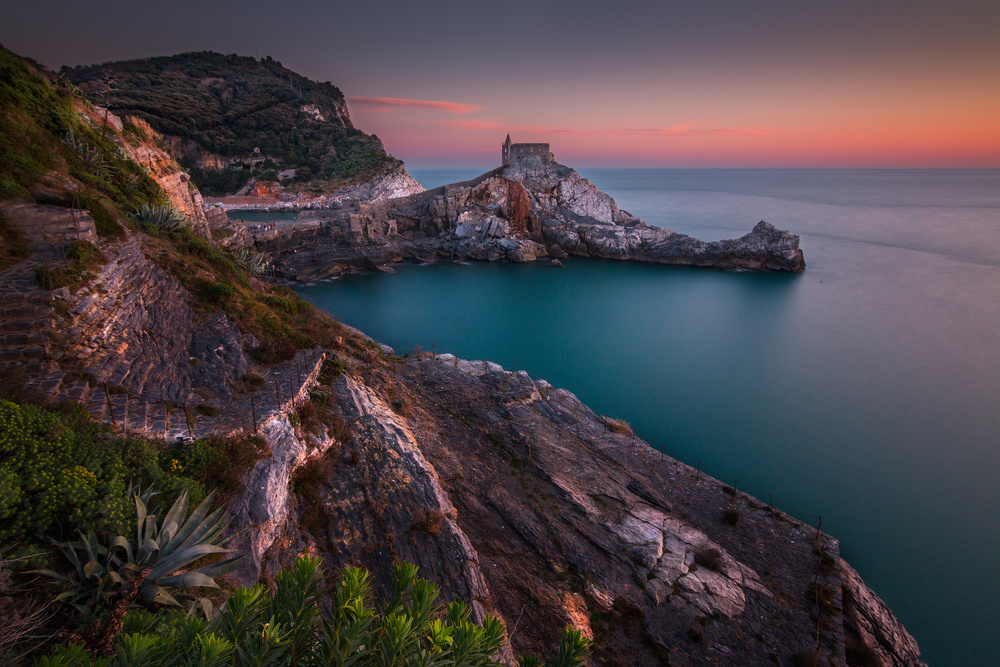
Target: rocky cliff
{"x": 228, "y": 118}
{"x": 268, "y": 196}
{"x": 523, "y": 212}
{"x": 509, "y": 493}
{"x": 515, "y": 497}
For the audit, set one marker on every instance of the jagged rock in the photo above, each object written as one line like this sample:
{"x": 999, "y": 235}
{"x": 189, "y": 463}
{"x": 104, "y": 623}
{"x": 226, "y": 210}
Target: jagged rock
{"x": 133, "y": 327}
{"x": 555, "y": 263}
{"x": 872, "y": 628}
{"x": 517, "y": 213}
{"x": 509, "y": 493}
{"x": 261, "y": 511}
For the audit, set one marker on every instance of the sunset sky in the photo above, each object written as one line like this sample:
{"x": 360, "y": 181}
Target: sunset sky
{"x": 773, "y": 83}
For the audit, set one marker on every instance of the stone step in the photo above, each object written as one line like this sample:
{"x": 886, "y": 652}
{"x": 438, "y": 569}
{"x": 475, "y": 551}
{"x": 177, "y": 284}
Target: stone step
{"x": 135, "y": 415}
{"x": 29, "y": 368}
{"x": 16, "y": 326}
{"x": 13, "y": 356}
{"x": 26, "y": 312}
{"x": 156, "y": 420}
{"x": 78, "y": 391}
{"x": 45, "y": 383}
{"x": 97, "y": 404}
{"x": 25, "y": 298}
{"x": 21, "y": 339}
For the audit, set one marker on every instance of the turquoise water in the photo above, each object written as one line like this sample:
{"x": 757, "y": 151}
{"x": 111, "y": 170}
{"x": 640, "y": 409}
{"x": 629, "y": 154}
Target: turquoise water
{"x": 864, "y": 390}
{"x": 261, "y": 216}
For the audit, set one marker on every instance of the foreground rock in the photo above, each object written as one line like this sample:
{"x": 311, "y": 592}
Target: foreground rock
{"x": 526, "y": 211}
{"x": 515, "y": 497}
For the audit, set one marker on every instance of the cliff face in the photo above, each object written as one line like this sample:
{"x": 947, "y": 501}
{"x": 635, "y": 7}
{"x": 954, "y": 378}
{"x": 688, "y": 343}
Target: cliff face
{"x": 515, "y": 497}
{"x": 228, "y": 118}
{"x": 269, "y": 196}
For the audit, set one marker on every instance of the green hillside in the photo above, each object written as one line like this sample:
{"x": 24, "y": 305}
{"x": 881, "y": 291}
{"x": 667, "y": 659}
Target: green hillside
{"x": 208, "y": 104}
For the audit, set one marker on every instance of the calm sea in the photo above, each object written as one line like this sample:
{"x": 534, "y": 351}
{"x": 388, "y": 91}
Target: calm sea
{"x": 865, "y": 390}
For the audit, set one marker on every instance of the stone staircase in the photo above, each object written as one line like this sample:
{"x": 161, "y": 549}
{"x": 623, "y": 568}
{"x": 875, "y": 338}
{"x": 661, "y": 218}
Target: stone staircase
{"x": 26, "y": 321}
{"x": 50, "y": 226}
{"x": 285, "y": 386}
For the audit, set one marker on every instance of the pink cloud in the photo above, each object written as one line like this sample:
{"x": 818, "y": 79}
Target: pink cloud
{"x": 682, "y": 130}
{"x": 386, "y": 103}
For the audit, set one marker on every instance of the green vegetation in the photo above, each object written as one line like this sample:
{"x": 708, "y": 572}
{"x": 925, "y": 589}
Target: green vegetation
{"x": 83, "y": 260}
{"x": 291, "y": 627}
{"x": 40, "y": 131}
{"x": 280, "y": 319}
{"x": 158, "y": 558}
{"x": 60, "y": 473}
{"x": 162, "y": 217}
{"x": 229, "y": 106}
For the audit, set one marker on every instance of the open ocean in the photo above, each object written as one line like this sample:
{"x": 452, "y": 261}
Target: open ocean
{"x": 865, "y": 390}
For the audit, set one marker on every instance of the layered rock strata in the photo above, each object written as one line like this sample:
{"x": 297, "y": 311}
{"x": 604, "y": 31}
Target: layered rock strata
{"x": 523, "y": 212}
{"x": 515, "y": 497}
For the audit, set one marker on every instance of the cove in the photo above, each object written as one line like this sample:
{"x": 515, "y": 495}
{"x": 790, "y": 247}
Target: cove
{"x": 863, "y": 390}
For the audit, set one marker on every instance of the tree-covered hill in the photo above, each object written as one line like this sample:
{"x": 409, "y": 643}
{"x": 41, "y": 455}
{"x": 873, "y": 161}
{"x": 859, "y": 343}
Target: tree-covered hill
{"x": 217, "y": 111}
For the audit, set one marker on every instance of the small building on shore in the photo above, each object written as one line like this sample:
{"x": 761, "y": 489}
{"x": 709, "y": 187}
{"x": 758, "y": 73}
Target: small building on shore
{"x": 511, "y": 153}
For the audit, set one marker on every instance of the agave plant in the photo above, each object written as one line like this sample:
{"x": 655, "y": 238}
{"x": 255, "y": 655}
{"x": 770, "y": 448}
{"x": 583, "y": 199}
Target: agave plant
{"x": 165, "y": 217}
{"x": 92, "y": 157}
{"x": 159, "y": 554}
{"x": 256, "y": 263}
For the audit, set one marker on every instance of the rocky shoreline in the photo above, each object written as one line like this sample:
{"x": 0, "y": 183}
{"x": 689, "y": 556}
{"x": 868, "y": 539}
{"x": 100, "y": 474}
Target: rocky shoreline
{"x": 526, "y": 211}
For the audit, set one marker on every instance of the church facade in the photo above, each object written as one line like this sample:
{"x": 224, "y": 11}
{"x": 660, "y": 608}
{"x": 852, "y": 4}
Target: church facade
{"x": 511, "y": 153}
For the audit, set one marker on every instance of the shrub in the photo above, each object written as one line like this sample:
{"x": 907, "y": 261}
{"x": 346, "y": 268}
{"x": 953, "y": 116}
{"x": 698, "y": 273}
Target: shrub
{"x": 619, "y": 426}
{"x": 427, "y": 521}
{"x": 708, "y": 558}
{"x": 162, "y": 217}
{"x": 731, "y": 516}
{"x": 60, "y": 473}
{"x": 409, "y": 627}
{"x": 161, "y": 553}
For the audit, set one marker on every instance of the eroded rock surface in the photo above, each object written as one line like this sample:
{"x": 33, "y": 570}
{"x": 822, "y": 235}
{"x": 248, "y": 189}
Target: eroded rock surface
{"x": 523, "y": 212}
{"x": 133, "y": 327}
{"x": 515, "y": 497}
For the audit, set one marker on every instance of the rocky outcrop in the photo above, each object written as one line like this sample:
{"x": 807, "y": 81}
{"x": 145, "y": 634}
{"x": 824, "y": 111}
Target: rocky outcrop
{"x": 526, "y": 211}
{"x": 133, "y": 327}
{"x": 873, "y": 631}
{"x": 512, "y": 495}
{"x": 271, "y": 196}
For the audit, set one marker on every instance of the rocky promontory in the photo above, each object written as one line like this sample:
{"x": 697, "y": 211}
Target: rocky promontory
{"x": 522, "y": 212}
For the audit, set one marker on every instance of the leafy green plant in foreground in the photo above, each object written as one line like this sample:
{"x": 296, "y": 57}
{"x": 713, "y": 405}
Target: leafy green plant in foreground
{"x": 158, "y": 556}
{"x": 292, "y": 628}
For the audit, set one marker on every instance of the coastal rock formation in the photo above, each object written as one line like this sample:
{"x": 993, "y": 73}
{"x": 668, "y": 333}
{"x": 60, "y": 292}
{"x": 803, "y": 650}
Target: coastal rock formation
{"x": 523, "y": 212}
{"x": 133, "y": 327}
{"x": 515, "y": 497}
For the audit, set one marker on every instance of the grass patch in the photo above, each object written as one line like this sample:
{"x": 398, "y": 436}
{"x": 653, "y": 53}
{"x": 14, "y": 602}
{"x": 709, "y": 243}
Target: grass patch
{"x": 619, "y": 426}
{"x": 710, "y": 559}
{"x": 426, "y": 521}
{"x": 84, "y": 260}
{"x": 249, "y": 383}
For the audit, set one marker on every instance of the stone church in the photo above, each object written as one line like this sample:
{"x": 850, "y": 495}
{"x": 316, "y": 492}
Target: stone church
{"x": 511, "y": 153}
